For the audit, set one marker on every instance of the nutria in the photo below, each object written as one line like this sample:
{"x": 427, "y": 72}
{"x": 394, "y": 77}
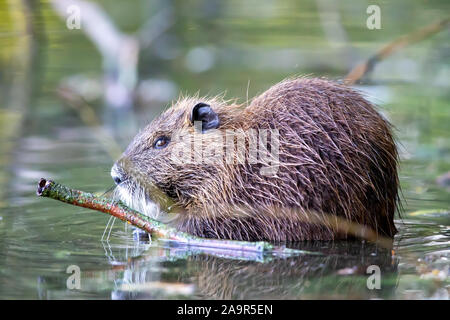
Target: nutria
{"x": 325, "y": 165}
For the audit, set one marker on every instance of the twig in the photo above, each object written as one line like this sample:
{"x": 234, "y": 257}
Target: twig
{"x": 365, "y": 67}
{"x": 51, "y": 189}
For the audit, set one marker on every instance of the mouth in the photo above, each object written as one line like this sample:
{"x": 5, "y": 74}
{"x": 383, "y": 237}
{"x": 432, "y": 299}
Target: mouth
{"x": 136, "y": 198}
{"x": 150, "y": 201}
{"x": 140, "y": 193}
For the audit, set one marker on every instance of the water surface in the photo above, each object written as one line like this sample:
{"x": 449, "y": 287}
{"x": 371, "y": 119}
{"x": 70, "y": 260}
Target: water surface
{"x": 243, "y": 49}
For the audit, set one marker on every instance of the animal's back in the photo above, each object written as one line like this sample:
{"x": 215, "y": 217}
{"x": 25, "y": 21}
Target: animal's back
{"x": 337, "y": 168}
{"x": 337, "y": 153}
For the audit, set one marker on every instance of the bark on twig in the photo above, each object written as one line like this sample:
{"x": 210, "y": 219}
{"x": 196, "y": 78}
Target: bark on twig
{"x": 51, "y": 189}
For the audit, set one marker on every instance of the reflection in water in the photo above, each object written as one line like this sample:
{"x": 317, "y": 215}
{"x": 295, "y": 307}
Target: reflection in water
{"x": 41, "y": 136}
{"x": 339, "y": 271}
{"x": 415, "y": 267}
{"x": 298, "y": 277}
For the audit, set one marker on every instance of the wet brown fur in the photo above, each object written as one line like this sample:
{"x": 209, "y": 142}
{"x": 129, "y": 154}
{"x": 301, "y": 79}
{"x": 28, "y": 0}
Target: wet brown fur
{"x": 337, "y": 164}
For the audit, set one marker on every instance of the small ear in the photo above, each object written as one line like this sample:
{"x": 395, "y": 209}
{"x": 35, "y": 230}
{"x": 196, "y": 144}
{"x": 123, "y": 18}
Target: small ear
{"x": 204, "y": 113}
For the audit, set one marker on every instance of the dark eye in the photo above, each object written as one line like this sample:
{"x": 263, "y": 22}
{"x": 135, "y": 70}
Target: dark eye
{"x": 161, "y": 142}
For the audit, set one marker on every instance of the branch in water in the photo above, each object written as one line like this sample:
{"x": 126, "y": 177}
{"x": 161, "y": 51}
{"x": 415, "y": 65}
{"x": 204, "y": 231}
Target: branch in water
{"x": 51, "y": 189}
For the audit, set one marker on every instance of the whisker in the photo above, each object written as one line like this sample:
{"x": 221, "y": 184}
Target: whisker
{"x": 108, "y": 190}
{"x": 104, "y": 231}
{"x": 110, "y": 229}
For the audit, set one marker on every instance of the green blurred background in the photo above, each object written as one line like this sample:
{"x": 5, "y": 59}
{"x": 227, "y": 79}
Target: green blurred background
{"x": 67, "y": 110}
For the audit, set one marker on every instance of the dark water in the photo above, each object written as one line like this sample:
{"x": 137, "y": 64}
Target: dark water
{"x": 243, "y": 49}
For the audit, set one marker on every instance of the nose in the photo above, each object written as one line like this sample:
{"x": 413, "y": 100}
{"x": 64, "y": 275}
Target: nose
{"x": 116, "y": 174}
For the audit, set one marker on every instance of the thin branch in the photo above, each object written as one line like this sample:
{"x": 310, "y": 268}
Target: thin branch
{"x": 365, "y": 67}
{"x": 51, "y": 189}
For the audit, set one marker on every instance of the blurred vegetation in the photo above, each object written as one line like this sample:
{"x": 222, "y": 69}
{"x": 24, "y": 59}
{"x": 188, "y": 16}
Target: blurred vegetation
{"x": 51, "y": 77}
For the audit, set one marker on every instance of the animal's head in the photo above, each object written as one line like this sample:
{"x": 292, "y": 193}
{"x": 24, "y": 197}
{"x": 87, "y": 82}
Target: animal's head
{"x": 170, "y": 161}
